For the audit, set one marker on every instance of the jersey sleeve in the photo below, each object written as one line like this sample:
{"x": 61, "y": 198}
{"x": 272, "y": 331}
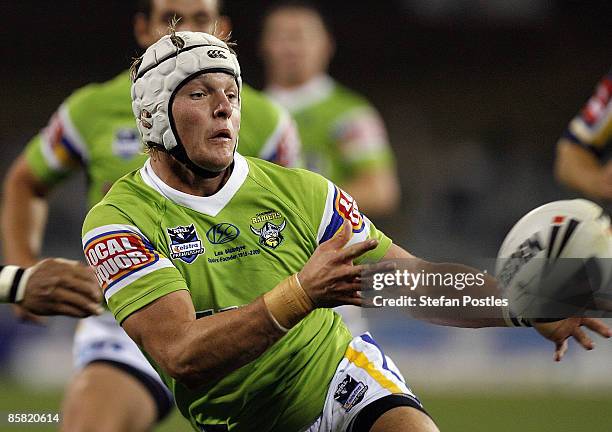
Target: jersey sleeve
{"x": 362, "y": 139}
{"x": 58, "y": 149}
{"x": 592, "y": 127}
{"x": 130, "y": 271}
{"x": 340, "y": 206}
{"x": 283, "y": 146}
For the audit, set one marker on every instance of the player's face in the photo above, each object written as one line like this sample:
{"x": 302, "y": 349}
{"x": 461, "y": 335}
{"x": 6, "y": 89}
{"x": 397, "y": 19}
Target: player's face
{"x": 195, "y": 15}
{"x": 206, "y": 113}
{"x": 295, "y": 46}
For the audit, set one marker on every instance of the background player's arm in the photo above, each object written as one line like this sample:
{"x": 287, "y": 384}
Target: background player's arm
{"x": 197, "y": 351}
{"x": 52, "y": 287}
{"x": 578, "y": 163}
{"x": 581, "y": 170}
{"x": 24, "y": 214}
{"x": 364, "y": 146}
{"x": 376, "y": 190}
{"x": 558, "y": 332}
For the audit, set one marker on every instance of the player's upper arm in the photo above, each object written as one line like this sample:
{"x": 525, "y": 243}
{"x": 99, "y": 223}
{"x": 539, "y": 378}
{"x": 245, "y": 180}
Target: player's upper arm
{"x": 334, "y": 206}
{"x": 159, "y": 326}
{"x": 59, "y": 148}
{"x": 20, "y": 176}
{"x": 131, "y": 272}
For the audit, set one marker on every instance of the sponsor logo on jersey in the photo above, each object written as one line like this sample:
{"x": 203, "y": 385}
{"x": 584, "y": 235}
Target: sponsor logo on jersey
{"x": 270, "y": 234}
{"x": 350, "y": 392}
{"x": 184, "y": 243}
{"x": 116, "y": 255}
{"x": 127, "y": 144}
{"x": 222, "y": 233}
{"x": 346, "y": 207}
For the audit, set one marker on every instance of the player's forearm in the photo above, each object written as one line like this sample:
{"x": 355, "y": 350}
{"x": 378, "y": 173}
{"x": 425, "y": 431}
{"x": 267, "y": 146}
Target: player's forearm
{"x": 578, "y": 169}
{"x": 24, "y": 215}
{"x": 482, "y": 294}
{"x": 430, "y": 285}
{"x": 210, "y": 348}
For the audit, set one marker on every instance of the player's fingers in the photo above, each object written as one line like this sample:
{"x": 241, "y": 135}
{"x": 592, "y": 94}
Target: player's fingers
{"x": 358, "y": 249}
{"x": 354, "y": 301}
{"x": 88, "y": 288}
{"x": 78, "y": 301}
{"x": 342, "y": 237}
{"x": 26, "y": 316}
{"x": 348, "y": 287}
{"x": 597, "y": 326}
{"x": 84, "y": 272}
{"x": 366, "y": 271}
{"x": 68, "y": 310}
{"x": 583, "y": 339}
{"x": 561, "y": 349}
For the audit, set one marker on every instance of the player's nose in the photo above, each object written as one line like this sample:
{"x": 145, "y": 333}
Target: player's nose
{"x": 223, "y": 107}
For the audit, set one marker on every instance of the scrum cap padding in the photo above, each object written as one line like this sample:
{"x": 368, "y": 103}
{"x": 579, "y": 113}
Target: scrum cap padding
{"x": 165, "y": 66}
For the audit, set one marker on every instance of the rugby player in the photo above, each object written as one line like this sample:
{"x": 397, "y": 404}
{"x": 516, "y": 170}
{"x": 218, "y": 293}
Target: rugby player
{"x": 343, "y": 137}
{"x": 223, "y": 268}
{"x": 583, "y": 152}
{"x": 115, "y": 388}
{"x": 54, "y": 286}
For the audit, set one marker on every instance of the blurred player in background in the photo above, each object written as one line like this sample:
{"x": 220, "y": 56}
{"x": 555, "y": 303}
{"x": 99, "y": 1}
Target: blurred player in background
{"x": 583, "y": 152}
{"x": 115, "y": 388}
{"x": 343, "y": 137}
{"x": 54, "y": 286}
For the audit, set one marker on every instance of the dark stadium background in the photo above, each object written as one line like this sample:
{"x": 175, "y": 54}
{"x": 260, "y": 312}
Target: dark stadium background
{"x": 474, "y": 94}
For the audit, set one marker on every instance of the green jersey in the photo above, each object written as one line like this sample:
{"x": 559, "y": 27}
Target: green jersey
{"x": 94, "y": 129}
{"x": 146, "y": 240}
{"x": 341, "y": 133}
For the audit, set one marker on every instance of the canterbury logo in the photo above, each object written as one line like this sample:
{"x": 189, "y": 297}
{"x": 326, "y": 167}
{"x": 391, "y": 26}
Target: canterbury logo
{"x": 216, "y": 54}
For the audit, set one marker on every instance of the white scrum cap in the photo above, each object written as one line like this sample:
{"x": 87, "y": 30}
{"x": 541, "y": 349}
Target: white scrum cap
{"x": 165, "y": 67}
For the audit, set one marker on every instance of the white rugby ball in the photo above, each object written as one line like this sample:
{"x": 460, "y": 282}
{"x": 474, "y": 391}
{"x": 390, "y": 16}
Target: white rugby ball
{"x": 546, "y": 257}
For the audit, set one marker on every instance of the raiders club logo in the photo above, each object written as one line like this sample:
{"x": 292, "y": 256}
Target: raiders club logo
{"x": 270, "y": 234}
{"x": 184, "y": 243}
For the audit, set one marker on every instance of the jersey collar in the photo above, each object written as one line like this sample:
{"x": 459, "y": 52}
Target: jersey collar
{"x": 303, "y": 96}
{"x": 210, "y": 205}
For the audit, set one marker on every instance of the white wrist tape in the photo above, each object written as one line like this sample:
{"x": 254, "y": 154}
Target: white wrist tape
{"x": 13, "y": 280}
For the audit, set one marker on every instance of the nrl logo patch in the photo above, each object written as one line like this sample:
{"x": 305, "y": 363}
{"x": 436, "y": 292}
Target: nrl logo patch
{"x": 270, "y": 234}
{"x": 350, "y": 392}
{"x": 184, "y": 243}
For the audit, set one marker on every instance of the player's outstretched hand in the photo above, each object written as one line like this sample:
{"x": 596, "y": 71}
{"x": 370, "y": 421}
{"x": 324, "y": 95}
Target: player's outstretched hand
{"x": 560, "y": 331}
{"x": 330, "y": 278}
{"x": 62, "y": 287}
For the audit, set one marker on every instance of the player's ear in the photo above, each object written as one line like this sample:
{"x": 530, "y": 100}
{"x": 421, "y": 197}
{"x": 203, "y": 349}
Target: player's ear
{"x": 142, "y": 34}
{"x": 223, "y": 27}
{"x": 330, "y": 46}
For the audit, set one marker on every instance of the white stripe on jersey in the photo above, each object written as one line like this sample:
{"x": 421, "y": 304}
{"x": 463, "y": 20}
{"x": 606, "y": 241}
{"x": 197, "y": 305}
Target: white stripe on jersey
{"x": 61, "y": 123}
{"x": 105, "y": 229}
{"x": 160, "y": 264}
{"x": 284, "y": 139}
